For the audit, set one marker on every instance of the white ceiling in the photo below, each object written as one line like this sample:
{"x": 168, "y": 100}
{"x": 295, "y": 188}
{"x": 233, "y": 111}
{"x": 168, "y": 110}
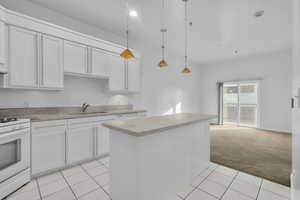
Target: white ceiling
{"x": 219, "y": 26}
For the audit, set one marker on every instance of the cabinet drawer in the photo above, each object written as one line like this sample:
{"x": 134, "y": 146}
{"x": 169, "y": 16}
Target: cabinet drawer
{"x": 48, "y": 126}
{"x": 90, "y": 120}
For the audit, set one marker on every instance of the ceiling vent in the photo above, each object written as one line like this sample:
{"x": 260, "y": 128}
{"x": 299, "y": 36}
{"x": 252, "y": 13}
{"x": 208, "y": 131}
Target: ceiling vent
{"x": 259, "y": 13}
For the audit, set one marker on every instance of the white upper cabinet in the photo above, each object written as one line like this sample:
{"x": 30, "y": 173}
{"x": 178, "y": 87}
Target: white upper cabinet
{"x": 35, "y": 60}
{"x": 23, "y": 59}
{"x": 52, "y": 73}
{"x": 99, "y": 63}
{"x": 124, "y": 75}
{"x": 117, "y": 81}
{"x": 75, "y": 58}
{"x": 35, "y": 54}
{"x": 2, "y": 47}
{"x": 133, "y": 75}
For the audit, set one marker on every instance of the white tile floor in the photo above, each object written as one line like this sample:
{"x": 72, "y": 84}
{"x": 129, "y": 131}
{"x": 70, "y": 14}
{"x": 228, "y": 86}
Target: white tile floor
{"x": 91, "y": 182}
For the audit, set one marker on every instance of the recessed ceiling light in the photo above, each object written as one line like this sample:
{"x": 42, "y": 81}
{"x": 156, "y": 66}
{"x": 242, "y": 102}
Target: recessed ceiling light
{"x": 133, "y": 13}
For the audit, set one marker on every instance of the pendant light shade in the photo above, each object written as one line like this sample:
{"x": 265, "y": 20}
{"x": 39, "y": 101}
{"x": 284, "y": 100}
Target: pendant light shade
{"x": 163, "y": 30}
{"x": 163, "y": 63}
{"x": 186, "y": 69}
{"x": 127, "y": 54}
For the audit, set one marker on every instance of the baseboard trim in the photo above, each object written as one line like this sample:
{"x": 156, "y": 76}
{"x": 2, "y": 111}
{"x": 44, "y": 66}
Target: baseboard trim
{"x": 258, "y": 128}
{"x": 295, "y": 194}
{"x": 275, "y": 131}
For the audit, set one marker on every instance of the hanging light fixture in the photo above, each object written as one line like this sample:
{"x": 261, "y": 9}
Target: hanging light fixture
{"x": 186, "y": 69}
{"x": 127, "y": 53}
{"x": 163, "y": 31}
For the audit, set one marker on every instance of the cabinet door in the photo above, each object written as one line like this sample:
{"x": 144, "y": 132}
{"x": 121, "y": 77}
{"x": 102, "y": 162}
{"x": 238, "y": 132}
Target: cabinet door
{"x": 75, "y": 58}
{"x": 23, "y": 70}
{"x": 52, "y": 74}
{"x": 102, "y": 141}
{"x": 133, "y": 75}
{"x": 117, "y": 73}
{"x": 99, "y": 63}
{"x": 80, "y": 143}
{"x": 2, "y": 43}
{"x": 48, "y": 148}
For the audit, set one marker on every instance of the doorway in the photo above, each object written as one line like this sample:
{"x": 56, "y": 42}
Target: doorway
{"x": 240, "y": 104}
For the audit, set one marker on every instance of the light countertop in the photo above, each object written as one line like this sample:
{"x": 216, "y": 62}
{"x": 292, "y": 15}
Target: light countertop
{"x": 61, "y": 116}
{"x": 149, "y": 125}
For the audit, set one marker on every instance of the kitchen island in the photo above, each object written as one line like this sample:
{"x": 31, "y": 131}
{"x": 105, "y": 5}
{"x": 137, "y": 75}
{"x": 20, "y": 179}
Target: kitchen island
{"x": 153, "y": 158}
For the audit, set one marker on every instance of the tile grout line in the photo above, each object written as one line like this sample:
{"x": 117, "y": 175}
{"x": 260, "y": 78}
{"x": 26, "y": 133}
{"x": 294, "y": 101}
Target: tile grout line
{"x": 260, "y": 186}
{"x": 39, "y": 189}
{"x": 96, "y": 181}
{"x": 206, "y": 177}
{"x": 68, "y": 185}
{"x": 279, "y": 195}
{"x": 234, "y": 178}
{"x": 197, "y": 187}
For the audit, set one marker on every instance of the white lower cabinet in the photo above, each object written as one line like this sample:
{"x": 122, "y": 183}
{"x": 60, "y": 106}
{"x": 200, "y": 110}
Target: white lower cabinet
{"x": 102, "y": 141}
{"x": 80, "y": 143}
{"x": 62, "y": 143}
{"x": 48, "y": 146}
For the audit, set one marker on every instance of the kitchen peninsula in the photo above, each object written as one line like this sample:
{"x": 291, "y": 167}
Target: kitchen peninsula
{"x": 152, "y": 158}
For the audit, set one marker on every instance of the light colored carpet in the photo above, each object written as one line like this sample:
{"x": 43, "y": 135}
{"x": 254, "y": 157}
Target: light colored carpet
{"x": 261, "y": 153}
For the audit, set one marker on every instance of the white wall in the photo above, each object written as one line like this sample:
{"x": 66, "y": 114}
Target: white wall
{"x": 275, "y": 71}
{"x": 166, "y": 90}
{"x": 162, "y": 89}
{"x": 76, "y": 92}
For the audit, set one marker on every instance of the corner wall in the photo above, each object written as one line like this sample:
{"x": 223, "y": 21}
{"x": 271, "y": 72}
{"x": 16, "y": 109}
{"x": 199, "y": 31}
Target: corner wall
{"x": 275, "y": 70}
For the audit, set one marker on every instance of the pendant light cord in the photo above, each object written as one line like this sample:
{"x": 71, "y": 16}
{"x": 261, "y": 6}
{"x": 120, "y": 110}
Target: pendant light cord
{"x": 186, "y": 33}
{"x": 163, "y": 29}
{"x": 127, "y": 25}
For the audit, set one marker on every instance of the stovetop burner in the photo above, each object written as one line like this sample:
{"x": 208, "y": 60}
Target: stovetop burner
{"x": 8, "y": 119}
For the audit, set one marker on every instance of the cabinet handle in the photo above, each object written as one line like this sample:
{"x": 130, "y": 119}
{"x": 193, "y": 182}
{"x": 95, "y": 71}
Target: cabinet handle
{"x": 37, "y": 60}
{"x": 87, "y": 60}
{"x": 90, "y": 57}
{"x": 42, "y": 60}
{"x": 96, "y": 141}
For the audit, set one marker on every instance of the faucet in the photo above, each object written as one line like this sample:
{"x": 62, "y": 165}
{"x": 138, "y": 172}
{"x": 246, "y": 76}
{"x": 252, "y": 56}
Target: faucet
{"x": 84, "y": 107}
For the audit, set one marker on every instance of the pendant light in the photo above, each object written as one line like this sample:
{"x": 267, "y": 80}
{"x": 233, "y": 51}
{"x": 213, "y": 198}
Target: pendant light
{"x": 186, "y": 69}
{"x": 163, "y": 31}
{"x": 127, "y": 53}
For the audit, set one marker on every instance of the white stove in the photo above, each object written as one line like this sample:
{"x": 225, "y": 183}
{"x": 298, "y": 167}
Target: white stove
{"x": 14, "y": 155}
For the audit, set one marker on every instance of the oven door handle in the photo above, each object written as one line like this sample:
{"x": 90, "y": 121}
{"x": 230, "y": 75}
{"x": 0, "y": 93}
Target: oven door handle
{"x": 4, "y": 138}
